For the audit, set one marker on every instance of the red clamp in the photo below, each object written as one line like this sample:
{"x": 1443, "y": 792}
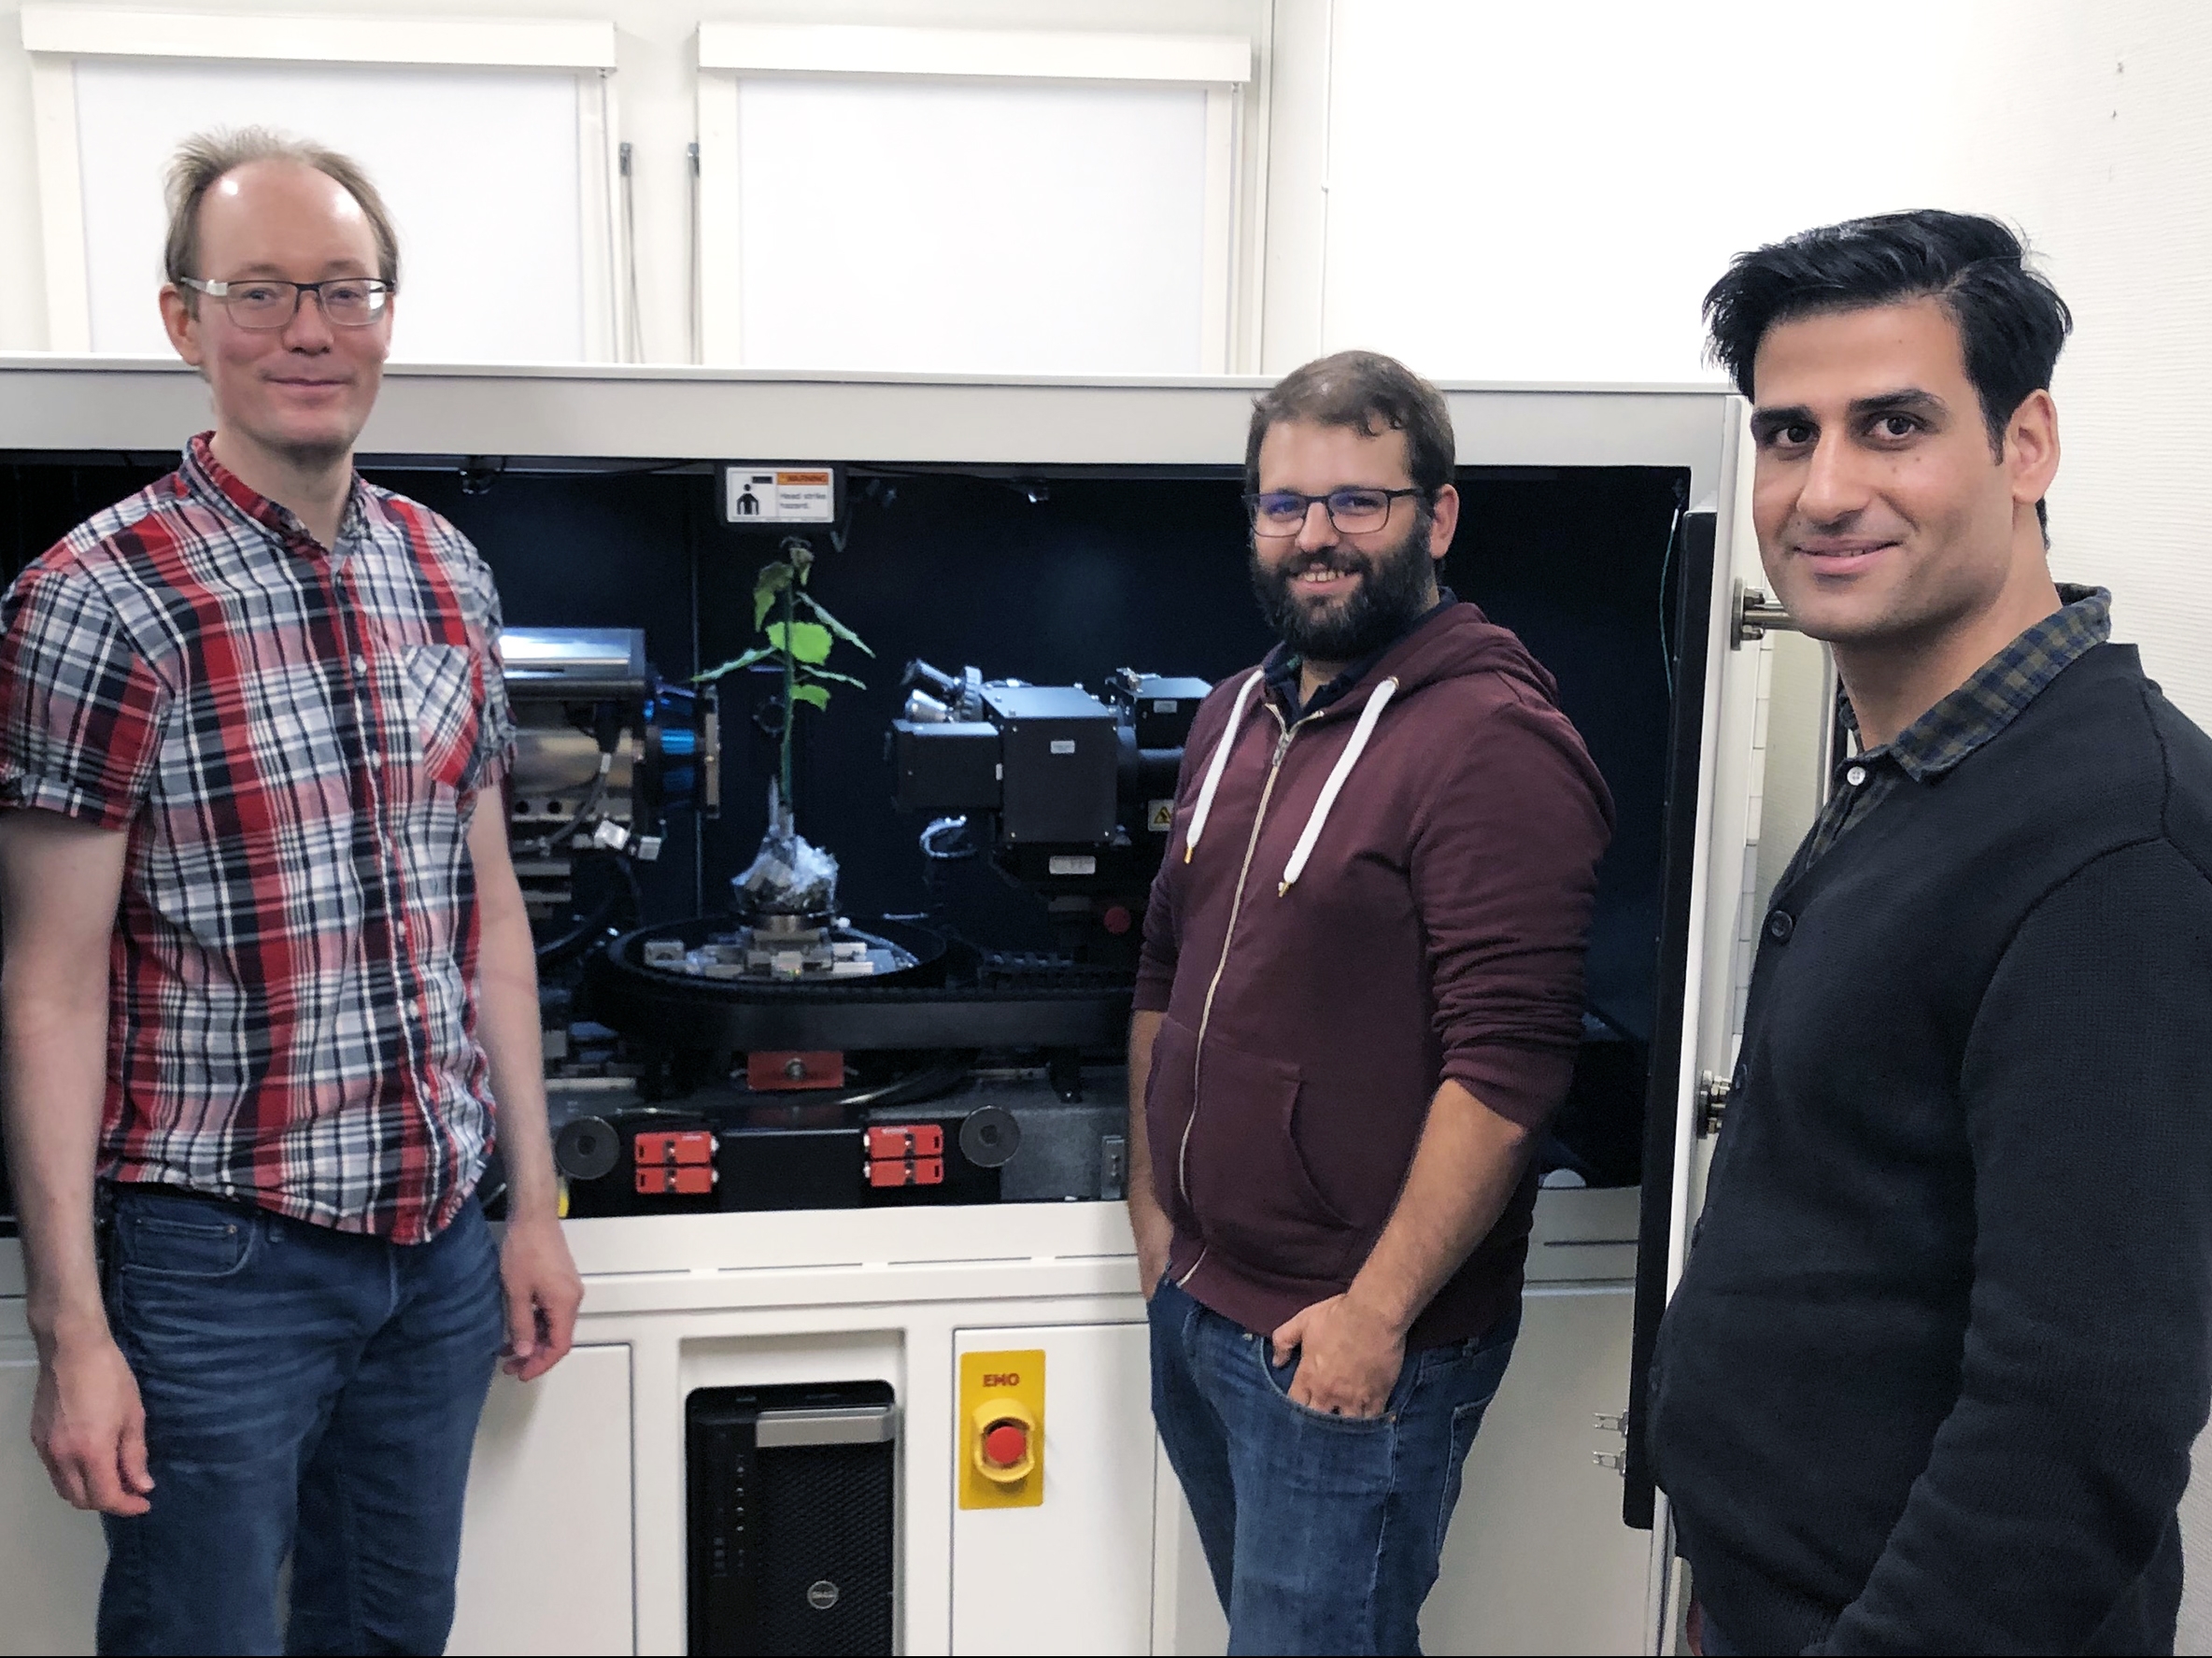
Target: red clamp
{"x": 907, "y": 1172}
{"x": 689, "y": 1181}
{"x": 680, "y": 1161}
{"x": 681, "y": 1145}
{"x": 917, "y": 1140}
{"x": 906, "y": 1154}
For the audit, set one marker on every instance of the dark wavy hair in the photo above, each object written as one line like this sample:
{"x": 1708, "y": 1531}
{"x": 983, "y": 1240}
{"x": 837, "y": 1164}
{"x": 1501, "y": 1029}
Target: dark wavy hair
{"x": 1373, "y": 394}
{"x": 2011, "y": 321}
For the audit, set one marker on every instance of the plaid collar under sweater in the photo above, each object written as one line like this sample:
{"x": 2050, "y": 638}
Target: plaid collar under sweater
{"x": 1963, "y": 721}
{"x": 293, "y": 739}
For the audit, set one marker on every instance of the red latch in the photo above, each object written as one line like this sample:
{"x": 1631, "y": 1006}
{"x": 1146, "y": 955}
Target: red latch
{"x": 917, "y": 1140}
{"x": 916, "y": 1171}
{"x": 686, "y": 1180}
{"x": 669, "y": 1147}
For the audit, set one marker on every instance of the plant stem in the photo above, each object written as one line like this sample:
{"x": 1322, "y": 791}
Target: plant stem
{"x": 791, "y": 683}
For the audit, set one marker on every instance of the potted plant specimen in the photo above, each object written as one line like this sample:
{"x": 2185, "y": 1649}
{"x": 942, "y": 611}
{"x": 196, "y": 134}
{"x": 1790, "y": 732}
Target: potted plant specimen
{"x": 791, "y": 878}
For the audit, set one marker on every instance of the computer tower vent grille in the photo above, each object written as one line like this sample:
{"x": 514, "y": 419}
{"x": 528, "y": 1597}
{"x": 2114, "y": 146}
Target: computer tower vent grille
{"x": 825, "y": 1561}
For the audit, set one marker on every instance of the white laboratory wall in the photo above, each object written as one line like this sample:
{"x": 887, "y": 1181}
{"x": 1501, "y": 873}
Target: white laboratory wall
{"x": 957, "y": 227}
{"x": 656, "y": 111}
{"x": 1534, "y": 192}
{"x": 492, "y": 233}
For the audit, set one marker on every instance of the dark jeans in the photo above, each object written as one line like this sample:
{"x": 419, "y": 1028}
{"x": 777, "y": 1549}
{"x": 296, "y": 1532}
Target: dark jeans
{"x": 308, "y": 1393}
{"x": 1322, "y": 1531}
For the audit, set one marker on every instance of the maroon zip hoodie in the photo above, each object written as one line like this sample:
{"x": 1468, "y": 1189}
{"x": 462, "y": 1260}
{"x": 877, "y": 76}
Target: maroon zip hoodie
{"x": 1356, "y": 905}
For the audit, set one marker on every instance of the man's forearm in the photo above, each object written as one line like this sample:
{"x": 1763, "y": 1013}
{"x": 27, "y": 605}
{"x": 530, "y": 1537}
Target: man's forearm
{"x": 507, "y": 1018}
{"x": 55, "y": 1060}
{"x": 1143, "y": 1028}
{"x": 512, "y": 1041}
{"x": 1148, "y": 1220}
{"x": 1465, "y": 1170}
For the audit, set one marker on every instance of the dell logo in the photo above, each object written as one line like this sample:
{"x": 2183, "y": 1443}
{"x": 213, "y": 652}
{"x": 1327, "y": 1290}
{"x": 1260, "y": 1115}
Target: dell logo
{"x": 821, "y": 1594}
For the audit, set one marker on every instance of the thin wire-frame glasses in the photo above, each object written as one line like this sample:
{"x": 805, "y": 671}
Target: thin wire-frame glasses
{"x": 1353, "y": 511}
{"x": 348, "y": 301}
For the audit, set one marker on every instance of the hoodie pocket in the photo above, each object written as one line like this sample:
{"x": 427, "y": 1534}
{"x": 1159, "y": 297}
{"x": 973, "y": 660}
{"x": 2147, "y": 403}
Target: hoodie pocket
{"x": 1167, "y": 1113}
{"x": 1247, "y": 1180}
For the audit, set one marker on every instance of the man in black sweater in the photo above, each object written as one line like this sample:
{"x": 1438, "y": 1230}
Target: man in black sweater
{"x": 1931, "y": 1379}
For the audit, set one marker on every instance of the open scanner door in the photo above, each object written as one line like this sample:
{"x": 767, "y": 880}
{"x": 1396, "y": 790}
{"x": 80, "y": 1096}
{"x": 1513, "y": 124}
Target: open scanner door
{"x": 1715, "y": 782}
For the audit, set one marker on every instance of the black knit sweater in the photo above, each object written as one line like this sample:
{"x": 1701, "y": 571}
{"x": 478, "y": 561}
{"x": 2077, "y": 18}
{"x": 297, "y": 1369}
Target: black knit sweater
{"x": 1933, "y": 1373}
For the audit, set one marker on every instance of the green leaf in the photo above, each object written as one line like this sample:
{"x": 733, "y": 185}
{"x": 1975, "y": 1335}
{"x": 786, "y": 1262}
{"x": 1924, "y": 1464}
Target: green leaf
{"x": 758, "y": 654}
{"x": 834, "y": 626}
{"x": 817, "y": 694}
{"x": 810, "y": 643}
{"x": 772, "y": 579}
{"x": 812, "y": 672}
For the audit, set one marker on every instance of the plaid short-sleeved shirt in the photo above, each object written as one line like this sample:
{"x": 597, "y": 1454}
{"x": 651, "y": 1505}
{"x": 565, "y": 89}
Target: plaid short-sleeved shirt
{"x": 294, "y": 739}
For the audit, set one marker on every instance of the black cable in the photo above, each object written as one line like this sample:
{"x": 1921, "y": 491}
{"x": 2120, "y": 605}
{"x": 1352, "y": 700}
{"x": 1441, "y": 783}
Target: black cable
{"x": 1674, "y": 529}
{"x": 553, "y": 838}
{"x": 946, "y": 827}
{"x": 555, "y": 951}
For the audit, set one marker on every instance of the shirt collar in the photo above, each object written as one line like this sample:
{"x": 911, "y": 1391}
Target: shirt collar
{"x": 1282, "y": 665}
{"x": 210, "y": 480}
{"x": 1999, "y": 690}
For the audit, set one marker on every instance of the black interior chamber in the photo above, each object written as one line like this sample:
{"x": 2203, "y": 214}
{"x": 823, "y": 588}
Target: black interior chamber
{"x": 1056, "y": 576}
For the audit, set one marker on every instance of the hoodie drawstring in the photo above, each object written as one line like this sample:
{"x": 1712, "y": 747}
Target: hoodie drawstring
{"x": 1330, "y": 791}
{"x": 1219, "y": 764}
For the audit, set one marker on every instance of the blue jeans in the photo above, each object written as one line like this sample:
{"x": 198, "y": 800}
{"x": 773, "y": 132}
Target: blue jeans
{"x": 1322, "y": 1531}
{"x": 308, "y": 1393}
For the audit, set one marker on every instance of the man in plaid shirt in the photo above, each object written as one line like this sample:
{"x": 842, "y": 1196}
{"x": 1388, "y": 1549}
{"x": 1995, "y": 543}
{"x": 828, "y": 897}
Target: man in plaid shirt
{"x": 268, "y": 972}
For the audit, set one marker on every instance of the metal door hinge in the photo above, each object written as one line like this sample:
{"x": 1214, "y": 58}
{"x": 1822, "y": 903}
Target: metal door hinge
{"x": 1756, "y": 614}
{"x": 1712, "y": 1103}
{"x": 1113, "y": 1166}
{"x": 1611, "y": 1422}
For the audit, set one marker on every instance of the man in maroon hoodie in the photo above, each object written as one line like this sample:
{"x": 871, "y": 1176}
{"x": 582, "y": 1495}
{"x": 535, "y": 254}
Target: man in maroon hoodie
{"x": 1360, "y": 999}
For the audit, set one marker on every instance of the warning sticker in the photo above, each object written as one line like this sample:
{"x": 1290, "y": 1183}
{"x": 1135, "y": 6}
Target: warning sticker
{"x": 779, "y": 495}
{"x": 1159, "y": 816}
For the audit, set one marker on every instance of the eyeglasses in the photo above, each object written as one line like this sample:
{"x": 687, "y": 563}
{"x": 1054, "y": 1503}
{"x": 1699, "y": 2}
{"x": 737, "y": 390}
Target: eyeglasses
{"x": 1282, "y": 512}
{"x": 348, "y": 301}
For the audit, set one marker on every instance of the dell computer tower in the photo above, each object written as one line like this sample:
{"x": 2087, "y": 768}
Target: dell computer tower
{"x": 792, "y": 1526}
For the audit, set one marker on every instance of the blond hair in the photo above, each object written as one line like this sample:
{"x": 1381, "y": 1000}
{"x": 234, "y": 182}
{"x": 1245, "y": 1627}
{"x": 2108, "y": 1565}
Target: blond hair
{"x": 206, "y": 157}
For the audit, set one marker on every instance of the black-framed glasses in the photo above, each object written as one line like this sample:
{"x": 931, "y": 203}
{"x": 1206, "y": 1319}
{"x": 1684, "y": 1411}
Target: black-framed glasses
{"x": 1282, "y": 512}
{"x": 264, "y": 302}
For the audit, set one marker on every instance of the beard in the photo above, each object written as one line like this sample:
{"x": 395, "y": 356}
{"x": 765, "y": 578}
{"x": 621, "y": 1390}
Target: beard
{"x": 1394, "y": 588}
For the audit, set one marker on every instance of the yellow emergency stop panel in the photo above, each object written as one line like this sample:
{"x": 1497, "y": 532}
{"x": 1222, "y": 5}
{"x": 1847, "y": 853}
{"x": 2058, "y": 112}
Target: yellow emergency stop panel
{"x": 998, "y": 1437}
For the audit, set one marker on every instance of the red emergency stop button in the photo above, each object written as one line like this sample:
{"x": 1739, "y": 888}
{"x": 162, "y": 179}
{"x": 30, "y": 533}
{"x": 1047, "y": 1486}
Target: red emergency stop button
{"x": 1005, "y": 1443}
